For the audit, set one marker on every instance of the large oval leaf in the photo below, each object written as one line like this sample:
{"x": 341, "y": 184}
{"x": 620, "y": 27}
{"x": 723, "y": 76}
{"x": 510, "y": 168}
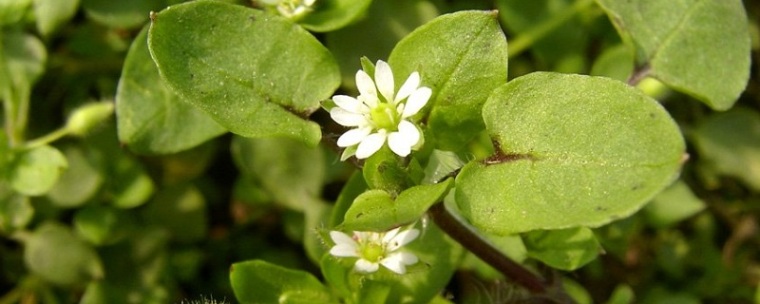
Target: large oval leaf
{"x": 572, "y": 151}
{"x": 151, "y": 117}
{"x": 700, "y": 47}
{"x": 257, "y": 74}
{"x": 462, "y": 57}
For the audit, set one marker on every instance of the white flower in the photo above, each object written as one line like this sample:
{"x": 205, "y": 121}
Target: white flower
{"x": 292, "y": 9}
{"x": 376, "y": 248}
{"x": 377, "y": 117}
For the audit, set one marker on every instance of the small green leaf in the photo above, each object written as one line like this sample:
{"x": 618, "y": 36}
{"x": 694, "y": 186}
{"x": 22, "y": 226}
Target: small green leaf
{"x": 462, "y": 57}
{"x": 181, "y": 210}
{"x": 673, "y": 205}
{"x": 261, "y": 282}
{"x": 572, "y": 151}
{"x": 383, "y": 170}
{"x": 121, "y": 14}
{"x": 12, "y": 11}
{"x": 292, "y": 172}
{"x": 57, "y": 255}
{"x": 615, "y": 62}
{"x": 331, "y": 15}
{"x": 79, "y": 182}
{"x": 440, "y": 164}
{"x": 375, "y": 210}
{"x": 151, "y": 117}
{"x": 100, "y": 225}
{"x": 34, "y": 172}
{"x": 130, "y": 186}
{"x": 566, "y": 249}
{"x": 16, "y": 210}
{"x": 264, "y": 84}
{"x": 22, "y": 57}
{"x": 729, "y": 143}
{"x": 699, "y": 47}
{"x": 51, "y": 14}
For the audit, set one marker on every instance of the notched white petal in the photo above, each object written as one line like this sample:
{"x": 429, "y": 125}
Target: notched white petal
{"x": 384, "y": 80}
{"x": 344, "y": 250}
{"x": 353, "y": 137}
{"x": 388, "y": 236}
{"x": 370, "y": 145}
{"x": 365, "y": 84}
{"x": 409, "y": 86}
{"x": 348, "y": 103}
{"x": 395, "y": 263}
{"x": 403, "y": 238}
{"x": 346, "y": 118}
{"x": 363, "y": 265}
{"x": 408, "y": 258}
{"x": 416, "y": 101}
{"x": 409, "y": 132}
{"x": 399, "y": 144}
{"x": 341, "y": 238}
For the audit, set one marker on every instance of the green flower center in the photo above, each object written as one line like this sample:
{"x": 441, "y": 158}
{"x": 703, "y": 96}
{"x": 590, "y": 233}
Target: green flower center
{"x": 372, "y": 252}
{"x": 385, "y": 117}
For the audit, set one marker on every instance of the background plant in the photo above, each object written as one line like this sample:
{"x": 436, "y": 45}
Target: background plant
{"x": 639, "y": 185}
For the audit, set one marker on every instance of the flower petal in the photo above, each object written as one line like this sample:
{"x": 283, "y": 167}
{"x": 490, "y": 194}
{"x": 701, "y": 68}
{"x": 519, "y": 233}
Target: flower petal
{"x": 388, "y": 236}
{"x": 346, "y": 118}
{"x": 403, "y": 238}
{"x": 363, "y": 265}
{"x": 348, "y": 103}
{"x": 416, "y": 101}
{"x": 408, "y": 258}
{"x": 342, "y": 238}
{"x": 409, "y": 86}
{"x": 344, "y": 250}
{"x": 353, "y": 136}
{"x": 384, "y": 80}
{"x": 365, "y": 84}
{"x": 370, "y": 144}
{"x": 397, "y": 262}
{"x": 401, "y": 142}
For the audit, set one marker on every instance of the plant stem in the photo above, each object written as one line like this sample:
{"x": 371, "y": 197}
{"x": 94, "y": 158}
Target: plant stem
{"x": 527, "y": 39}
{"x": 485, "y": 251}
{"x": 48, "y": 138}
{"x": 638, "y": 75}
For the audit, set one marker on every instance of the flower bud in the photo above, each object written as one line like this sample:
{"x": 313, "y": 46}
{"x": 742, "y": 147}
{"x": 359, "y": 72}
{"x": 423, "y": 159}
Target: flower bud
{"x": 88, "y": 116}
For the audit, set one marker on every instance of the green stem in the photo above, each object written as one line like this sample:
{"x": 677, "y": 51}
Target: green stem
{"x": 48, "y": 138}
{"x": 527, "y": 39}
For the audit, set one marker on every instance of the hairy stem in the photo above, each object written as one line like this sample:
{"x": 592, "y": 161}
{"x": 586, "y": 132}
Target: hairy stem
{"x": 485, "y": 251}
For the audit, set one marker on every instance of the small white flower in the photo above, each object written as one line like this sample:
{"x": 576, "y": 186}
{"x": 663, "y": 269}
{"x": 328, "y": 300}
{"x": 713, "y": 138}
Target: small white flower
{"x": 376, "y": 248}
{"x": 292, "y": 9}
{"x": 378, "y": 115}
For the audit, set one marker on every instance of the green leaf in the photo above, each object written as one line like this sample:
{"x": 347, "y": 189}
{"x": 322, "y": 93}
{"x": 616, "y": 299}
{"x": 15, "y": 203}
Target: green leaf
{"x": 261, "y": 282}
{"x": 462, "y": 57}
{"x": 151, "y": 117}
{"x": 22, "y": 61}
{"x": 729, "y": 143}
{"x": 615, "y": 62}
{"x": 12, "y": 11}
{"x": 34, "y": 172}
{"x": 384, "y": 170}
{"x": 51, "y": 14}
{"x": 354, "y": 187}
{"x": 331, "y": 15}
{"x": 292, "y": 172}
{"x": 263, "y": 85}
{"x": 121, "y": 14}
{"x": 181, "y": 210}
{"x": 16, "y": 210}
{"x": 100, "y": 225}
{"x": 80, "y": 182}
{"x": 673, "y": 205}
{"x": 375, "y": 35}
{"x": 566, "y": 249}
{"x": 375, "y": 210}
{"x": 572, "y": 151}
{"x": 130, "y": 186}
{"x": 58, "y": 256}
{"x": 699, "y": 47}
{"x": 441, "y": 164}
